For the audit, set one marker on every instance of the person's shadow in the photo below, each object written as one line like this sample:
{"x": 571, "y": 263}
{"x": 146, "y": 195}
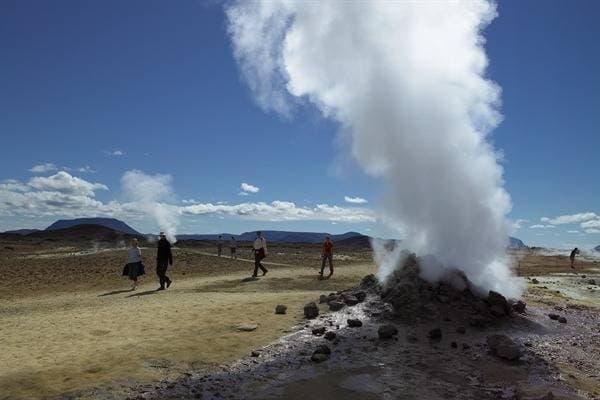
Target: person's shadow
{"x": 115, "y": 292}
{"x": 146, "y": 293}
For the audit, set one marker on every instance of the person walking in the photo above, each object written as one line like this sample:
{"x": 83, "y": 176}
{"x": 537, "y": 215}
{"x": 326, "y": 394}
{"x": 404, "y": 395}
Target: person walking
{"x": 219, "y": 245}
{"x": 164, "y": 258}
{"x": 327, "y": 254}
{"x": 574, "y": 253}
{"x": 233, "y": 247}
{"x": 134, "y": 266}
{"x": 260, "y": 252}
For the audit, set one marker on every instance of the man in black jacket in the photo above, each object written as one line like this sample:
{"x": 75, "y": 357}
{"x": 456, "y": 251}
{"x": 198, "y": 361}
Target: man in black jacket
{"x": 164, "y": 258}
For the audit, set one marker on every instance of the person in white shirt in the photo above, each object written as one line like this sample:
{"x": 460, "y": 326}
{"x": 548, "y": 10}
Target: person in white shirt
{"x": 260, "y": 252}
{"x": 134, "y": 265}
{"x": 233, "y": 247}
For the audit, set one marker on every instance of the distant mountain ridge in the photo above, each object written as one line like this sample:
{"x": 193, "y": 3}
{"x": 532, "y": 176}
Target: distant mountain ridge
{"x": 275, "y": 236}
{"x": 597, "y": 248}
{"x": 516, "y": 244}
{"x": 111, "y": 223}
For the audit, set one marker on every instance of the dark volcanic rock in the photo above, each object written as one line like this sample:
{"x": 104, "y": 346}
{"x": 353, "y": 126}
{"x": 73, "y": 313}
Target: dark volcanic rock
{"x": 350, "y": 300}
{"x": 435, "y": 334}
{"x": 562, "y": 320}
{"x": 360, "y": 295}
{"x": 387, "y": 331}
{"x": 554, "y": 317}
{"x": 280, "y": 309}
{"x": 503, "y": 347}
{"x": 330, "y": 335}
{"x": 519, "y": 307}
{"x": 354, "y": 323}
{"x": 321, "y": 353}
{"x": 318, "y": 331}
{"x": 369, "y": 282}
{"x": 311, "y": 310}
{"x": 336, "y": 305}
{"x": 499, "y": 307}
{"x": 480, "y": 322}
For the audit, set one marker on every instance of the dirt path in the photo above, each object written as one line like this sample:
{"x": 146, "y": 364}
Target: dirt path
{"x": 59, "y": 342}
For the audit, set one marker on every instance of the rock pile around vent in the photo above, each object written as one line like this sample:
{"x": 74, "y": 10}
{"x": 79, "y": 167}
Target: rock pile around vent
{"x": 412, "y": 297}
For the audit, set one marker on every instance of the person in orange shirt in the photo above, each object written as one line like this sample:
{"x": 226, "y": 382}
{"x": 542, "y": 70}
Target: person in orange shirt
{"x": 327, "y": 255}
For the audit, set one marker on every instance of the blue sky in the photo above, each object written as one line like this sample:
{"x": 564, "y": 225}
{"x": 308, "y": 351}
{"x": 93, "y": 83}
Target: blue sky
{"x": 101, "y": 88}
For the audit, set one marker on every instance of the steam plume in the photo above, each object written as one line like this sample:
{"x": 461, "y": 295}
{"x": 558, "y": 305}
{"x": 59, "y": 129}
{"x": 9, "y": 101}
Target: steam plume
{"x": 406, "y": 82}
{"x": 149, "y": 192}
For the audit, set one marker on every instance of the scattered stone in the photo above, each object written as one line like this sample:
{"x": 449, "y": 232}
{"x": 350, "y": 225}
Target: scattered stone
{"x": 361, "y": 296}
{"x": 562, "y": 320}
{"x": 280, "y": 309}
{"x": 519, "y": 307}
{"x": 454, "y": 345}
{"x": 553, "y": 316}
{"x": 461, "y": 330}
{"x": 321, "y": 353}
{"x": 435, "y": 334}
{"x": 311, "y": 310}
{"x": 350, "y": 300}
{"x": 255, "y": 353}
{"x": 246, "y": 327}
{"x": 330, "y": 335}
{"x": 503, "y": 347}
{"x": 354, "y": 323}
{"x": 535, "y": 281}
{"x": 336, "y": 305}
{"x": 465, "y": 346}
{"x": 387, "y": 331}
{"x": 318, "y": 331}
{"x": 323, "y": 299}
{"x": 591, "y": 282}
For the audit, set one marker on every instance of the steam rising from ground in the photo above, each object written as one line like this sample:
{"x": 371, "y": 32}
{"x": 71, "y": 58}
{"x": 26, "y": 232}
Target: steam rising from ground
{"x": 149, "y": 193}
{"x": 406, "y": 82}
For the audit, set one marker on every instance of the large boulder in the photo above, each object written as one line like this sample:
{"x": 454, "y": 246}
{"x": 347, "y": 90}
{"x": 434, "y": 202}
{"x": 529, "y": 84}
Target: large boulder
{"x": 311, "y": 310}
{"x": 499, "y": 306}
{"x": 350, "y": 300}
{"x": 503, "y": 347}
{"x": 354, "y": 323}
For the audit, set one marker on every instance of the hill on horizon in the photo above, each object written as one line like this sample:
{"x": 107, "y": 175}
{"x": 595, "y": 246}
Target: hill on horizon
{"x": 276, "y": 236}
{"x": 111, "y": 223}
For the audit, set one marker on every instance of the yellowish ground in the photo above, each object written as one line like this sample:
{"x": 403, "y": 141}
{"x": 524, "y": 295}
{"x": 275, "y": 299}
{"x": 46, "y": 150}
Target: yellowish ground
{"x": 53, "y": 343}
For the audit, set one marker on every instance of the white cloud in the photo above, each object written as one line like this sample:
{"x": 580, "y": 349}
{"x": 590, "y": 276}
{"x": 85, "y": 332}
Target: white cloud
{"x": 595, "y": 224}
{"x": 539, "y": 226}
{"x": 355, "y": 200}
{"x": 63, "y": 182}
{"x": 248, "y": 188}
{"x": 283, "y": 211}
{"x": 518, "y": 224}
{"x": 592, "y": 231}
{"x": 115, "y": 153}
{"x": 570, "y": 218}
{"x": 86, "y": 169}
{"x": 572, "y": 231}
{"x": 42, "y": 168}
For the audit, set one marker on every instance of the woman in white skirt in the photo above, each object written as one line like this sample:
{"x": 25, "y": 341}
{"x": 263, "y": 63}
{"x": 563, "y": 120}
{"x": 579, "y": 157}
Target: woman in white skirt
{"x": 134, "y": 265}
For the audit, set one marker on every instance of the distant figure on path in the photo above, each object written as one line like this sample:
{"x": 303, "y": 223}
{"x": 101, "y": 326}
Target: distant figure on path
{"x": 220, "y": 245}
{"x": 574, "y": 253}
{"x": 164, "y": 258}
{"x": 134, "y": 267}
{"x": 327, "y": 255}
{"x": 233, "y": 247}
{"x": 260, "y": 252}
